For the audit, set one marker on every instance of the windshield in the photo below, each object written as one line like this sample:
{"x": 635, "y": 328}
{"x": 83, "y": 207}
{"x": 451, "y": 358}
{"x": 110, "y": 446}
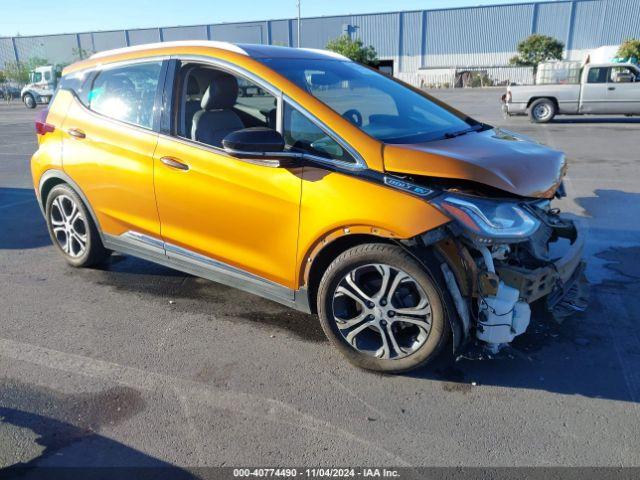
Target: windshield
{"x": 380, "y": 106}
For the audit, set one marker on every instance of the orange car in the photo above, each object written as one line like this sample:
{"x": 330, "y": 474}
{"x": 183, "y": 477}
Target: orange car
{"x": 313, "y": 181}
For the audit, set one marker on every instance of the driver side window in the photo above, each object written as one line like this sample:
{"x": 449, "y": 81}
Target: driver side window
{"x": 302, "y": 135}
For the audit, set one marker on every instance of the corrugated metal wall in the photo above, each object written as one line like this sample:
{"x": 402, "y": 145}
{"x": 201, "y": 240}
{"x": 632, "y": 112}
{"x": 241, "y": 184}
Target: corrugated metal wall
{"x": 416, "y": 41}
{"x": 475, "y": 36}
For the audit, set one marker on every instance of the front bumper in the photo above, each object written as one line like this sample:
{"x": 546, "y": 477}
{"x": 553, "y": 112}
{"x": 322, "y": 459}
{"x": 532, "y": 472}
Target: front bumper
{"x": 561, "y": 281}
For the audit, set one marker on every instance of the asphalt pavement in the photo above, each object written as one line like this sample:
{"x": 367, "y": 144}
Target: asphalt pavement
{"x": 134, "y": 364}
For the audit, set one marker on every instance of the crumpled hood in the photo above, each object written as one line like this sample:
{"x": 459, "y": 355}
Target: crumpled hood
{"x": 498, "y": 158}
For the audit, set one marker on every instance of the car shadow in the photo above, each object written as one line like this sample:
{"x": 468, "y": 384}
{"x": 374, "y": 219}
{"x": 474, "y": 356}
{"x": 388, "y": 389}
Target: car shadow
{"x": 595, "y": 353}
{"x": 22, "y": 223}
{"x": 59, "y": 438}
{"x": 589, "y": 119}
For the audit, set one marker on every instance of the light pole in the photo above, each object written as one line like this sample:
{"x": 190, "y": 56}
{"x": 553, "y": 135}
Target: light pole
{"x": 298, "y": 23}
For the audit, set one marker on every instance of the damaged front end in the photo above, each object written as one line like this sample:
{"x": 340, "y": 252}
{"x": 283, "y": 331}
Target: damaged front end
{"x": 500, "y": 257}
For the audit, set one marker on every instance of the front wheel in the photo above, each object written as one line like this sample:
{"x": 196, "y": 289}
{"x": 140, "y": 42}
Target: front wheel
{"x": 29, "y": 101}
{"x": 381, "y": 309}
{"x": 542, "y": 110}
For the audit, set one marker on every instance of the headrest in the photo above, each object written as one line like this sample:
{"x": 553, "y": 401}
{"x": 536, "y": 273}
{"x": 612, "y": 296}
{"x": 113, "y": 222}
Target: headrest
{"x": 221, "y": 93}
{"x": 192, "y": 86}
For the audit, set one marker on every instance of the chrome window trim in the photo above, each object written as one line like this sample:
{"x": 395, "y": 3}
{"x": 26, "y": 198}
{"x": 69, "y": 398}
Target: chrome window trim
{"x": 125, "y": 63}
{"x": 200, "y": 145}
{"x": 237, "y": 70}
{"x": 359, "y": 164}
{"x": 230, "y": 67}
{"x": 281, "y": 98}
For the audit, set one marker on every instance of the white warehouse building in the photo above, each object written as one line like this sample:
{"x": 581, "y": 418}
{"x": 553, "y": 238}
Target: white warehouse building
{"x": 422, "y": 47}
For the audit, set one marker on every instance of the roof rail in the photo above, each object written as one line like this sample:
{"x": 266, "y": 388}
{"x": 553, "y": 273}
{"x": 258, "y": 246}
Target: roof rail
{"x": 179, "y": 43}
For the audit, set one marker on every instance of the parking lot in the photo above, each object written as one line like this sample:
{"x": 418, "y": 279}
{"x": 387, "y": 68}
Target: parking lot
{"x": 137, "y": 364}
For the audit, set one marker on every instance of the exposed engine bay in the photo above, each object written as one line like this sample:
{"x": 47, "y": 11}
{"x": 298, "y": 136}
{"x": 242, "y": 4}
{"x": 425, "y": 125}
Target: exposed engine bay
{"x": 501, "y": 256}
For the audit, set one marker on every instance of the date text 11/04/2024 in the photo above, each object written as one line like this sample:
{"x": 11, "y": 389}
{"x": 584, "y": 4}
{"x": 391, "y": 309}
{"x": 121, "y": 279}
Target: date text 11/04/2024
{"x": 316, "y": 472}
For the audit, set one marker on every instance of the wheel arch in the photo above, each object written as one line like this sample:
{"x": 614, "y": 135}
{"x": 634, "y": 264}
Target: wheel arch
{"x": 52, "y": 178}
{"x": 317, "y": 261}
{"x": 427, "y": 256}
{"x": 548, "y": 97}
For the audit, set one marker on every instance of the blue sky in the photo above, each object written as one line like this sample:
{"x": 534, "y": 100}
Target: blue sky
{"x": 60, "y": 16}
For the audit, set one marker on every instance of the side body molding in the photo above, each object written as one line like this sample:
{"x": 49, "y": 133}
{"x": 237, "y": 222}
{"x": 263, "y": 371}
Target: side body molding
{"x": 178, "y": 258}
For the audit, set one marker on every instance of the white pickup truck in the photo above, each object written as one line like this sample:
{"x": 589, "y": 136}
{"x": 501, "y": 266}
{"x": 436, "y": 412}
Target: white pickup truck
{"x": 604, "y": 89}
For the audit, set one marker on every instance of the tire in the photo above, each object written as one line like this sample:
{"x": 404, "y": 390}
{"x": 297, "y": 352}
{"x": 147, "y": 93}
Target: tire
{"x": 72, "y": 229}
{"x": 360, "y": 331}
{"x": 29, "y": 101}
{"x": 542, "y": 110}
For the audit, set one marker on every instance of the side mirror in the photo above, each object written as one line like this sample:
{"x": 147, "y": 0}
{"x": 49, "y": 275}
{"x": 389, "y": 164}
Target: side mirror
{"x": 264, "y": 145}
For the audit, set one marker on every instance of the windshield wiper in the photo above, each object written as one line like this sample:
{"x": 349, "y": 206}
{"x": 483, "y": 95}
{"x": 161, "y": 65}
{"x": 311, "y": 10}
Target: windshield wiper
{"x": 462, "y": 132}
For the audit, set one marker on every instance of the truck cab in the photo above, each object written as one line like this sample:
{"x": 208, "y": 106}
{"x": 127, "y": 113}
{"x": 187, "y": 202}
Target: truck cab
{"x": 42, "y": 84}
{"x": 601, "y": 89}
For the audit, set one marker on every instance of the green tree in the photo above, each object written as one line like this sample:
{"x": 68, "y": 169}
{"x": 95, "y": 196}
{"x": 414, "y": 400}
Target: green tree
{"x": 3, "y": 77}
{"x": 536, "y": 49}
{"x": 629, "y": 48}
{"x": 80, "y": 53}
{"x": 354, "y": 50}
{"x": 19, "y": 71}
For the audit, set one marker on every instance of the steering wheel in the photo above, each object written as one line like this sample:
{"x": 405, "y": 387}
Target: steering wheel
{"x": 354, "y": 116}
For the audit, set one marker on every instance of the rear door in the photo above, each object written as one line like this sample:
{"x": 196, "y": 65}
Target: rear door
{"x": 108, "y": 145}
{"x": 623, "y": 90}
{"x": 594, "y": 91}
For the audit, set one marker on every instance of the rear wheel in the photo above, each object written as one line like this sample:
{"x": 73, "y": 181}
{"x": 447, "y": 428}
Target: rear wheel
{"x": 381, "y": 309}
{"x": 29, "y": 101}
{"x": 542, "y": 110}
{"x": 72, "y": 229}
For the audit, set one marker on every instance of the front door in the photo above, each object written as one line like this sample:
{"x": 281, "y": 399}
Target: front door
{"x": 217, "y": 211}
{"x": 108, "y": 147}
{"x": 236, "y": 212}
{"x": 623, "y": 91}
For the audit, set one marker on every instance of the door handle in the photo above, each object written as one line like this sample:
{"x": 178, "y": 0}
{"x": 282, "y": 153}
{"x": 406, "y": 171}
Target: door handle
{"x": 76, "y": 133}
{"x": 611, "y": 88}
{"x": 174, "y": 163}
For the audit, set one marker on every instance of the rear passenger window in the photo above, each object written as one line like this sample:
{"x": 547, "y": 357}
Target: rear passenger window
{"x": 597, "y": 75}
{"x": 126, "y": 93}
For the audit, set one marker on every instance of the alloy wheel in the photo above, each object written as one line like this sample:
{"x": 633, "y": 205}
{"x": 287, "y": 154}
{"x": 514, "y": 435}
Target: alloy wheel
{"x": 382, "y": 311}
{"x": 69, "y": 226}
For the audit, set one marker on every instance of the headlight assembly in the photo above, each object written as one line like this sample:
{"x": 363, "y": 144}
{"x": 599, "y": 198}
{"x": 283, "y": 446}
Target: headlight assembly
{"x": 486, "y": 220}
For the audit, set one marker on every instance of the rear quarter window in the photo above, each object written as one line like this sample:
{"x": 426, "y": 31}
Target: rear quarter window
{"x": 77, "y": 83}
{"x": 126, "y": 93}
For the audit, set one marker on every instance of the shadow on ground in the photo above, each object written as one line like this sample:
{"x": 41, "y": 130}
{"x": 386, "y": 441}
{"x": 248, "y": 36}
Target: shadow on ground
{"x": 60, "y": 437}
{"x": 22, "y": 223}
{"x": 588, "y": 119}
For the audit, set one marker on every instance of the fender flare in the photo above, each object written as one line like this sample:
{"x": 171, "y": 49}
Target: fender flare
{"x": 64, "y": 178}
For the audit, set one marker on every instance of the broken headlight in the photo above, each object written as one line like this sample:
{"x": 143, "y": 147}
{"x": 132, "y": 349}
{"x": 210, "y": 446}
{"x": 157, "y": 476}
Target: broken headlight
{"x": 486, "y": 220}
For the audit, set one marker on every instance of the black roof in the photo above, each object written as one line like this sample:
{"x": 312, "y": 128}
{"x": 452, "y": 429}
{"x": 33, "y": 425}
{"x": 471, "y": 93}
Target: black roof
{"x": 274, "y": 51}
